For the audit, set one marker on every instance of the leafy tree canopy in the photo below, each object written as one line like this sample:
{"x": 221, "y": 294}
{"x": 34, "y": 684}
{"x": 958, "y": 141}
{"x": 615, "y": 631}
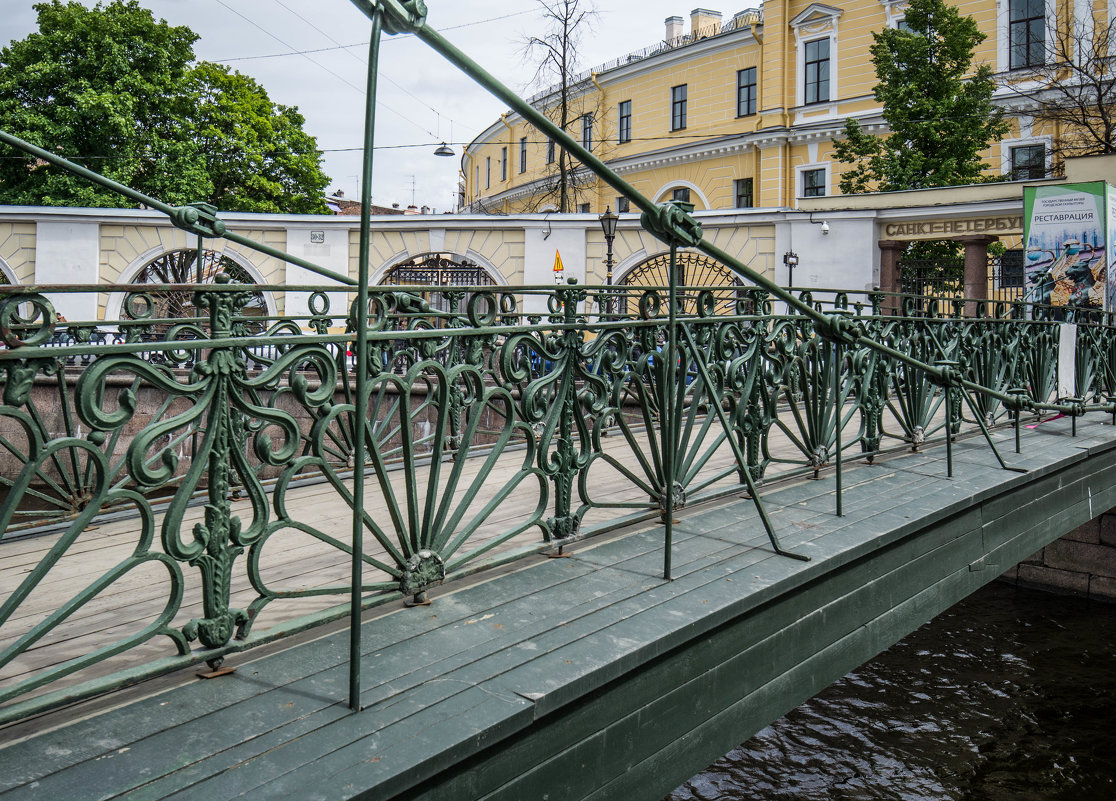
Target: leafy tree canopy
{"x": 939, "y": 120}
{"x": 117, "y": 91}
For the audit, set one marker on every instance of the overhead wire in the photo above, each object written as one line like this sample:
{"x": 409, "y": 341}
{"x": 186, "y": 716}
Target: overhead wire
{"x": 339, "y": 77}
{"x": 361, "y": 61}
{"x": 365, "y": 44}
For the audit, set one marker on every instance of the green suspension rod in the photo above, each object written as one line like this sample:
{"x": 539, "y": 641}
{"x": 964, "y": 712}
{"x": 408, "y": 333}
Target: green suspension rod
{"x": 362, "y": 383}
{"x": 193, "y": 218}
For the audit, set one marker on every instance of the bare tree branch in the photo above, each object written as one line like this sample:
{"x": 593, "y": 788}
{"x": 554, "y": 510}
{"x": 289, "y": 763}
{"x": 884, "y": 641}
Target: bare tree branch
{"x": 1074, "y": 89}
{"x": 555, "y": 55}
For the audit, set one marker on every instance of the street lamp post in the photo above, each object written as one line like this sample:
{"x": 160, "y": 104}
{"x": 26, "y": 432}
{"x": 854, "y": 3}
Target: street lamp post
{"x": 608, "y": 226}
{"x": 790, "y": 259}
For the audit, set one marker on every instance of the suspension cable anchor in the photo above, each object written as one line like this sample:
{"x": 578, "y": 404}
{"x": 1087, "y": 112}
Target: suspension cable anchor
{"x": 673, "y": 223}
{"x": 198, "y": 218}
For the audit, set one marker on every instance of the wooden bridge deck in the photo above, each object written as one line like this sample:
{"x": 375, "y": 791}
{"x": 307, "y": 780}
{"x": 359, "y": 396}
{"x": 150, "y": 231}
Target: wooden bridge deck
{"x": 590, "y": 677}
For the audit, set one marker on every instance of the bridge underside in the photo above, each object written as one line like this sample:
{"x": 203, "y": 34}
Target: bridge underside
{"x": 591, "y": 677}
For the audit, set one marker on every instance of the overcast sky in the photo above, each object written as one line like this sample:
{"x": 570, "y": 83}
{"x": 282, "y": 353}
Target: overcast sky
{"x": 422, "y": 99}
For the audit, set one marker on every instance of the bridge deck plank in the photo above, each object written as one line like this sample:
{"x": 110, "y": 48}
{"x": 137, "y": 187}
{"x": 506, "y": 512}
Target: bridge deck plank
{"x": 488, "y": 659}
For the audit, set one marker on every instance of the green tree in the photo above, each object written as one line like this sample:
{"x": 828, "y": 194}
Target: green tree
{"x": 939, "y": 120}
{"x": 114, "y": 89}
{"x": 257, "y": 156}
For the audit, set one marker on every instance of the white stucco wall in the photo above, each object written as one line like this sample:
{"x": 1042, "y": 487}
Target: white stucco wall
{"x": 542, "y": 240}
{"x": 845, "y": 258}
{"x": 332, "y": 252}
{"x": 69, "y": 253}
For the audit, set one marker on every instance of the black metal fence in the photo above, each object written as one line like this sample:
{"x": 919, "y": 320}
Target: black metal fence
{"x": 944, "y": 277}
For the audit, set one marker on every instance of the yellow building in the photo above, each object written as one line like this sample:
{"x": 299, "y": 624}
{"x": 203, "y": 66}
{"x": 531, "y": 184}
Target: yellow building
{"x": 741, "y": 111}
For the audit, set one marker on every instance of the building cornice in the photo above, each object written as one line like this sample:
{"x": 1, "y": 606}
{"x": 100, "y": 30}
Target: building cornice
{"x": 235, "y": 220}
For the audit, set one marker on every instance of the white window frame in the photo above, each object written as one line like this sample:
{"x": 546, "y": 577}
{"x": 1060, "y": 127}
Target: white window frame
{"x": 818, "y": 21}
{"x": 1006, "y": 146}
{"x": 799, "y": 180}
{"x": 1003, "y": 32}
{"x": 895, "y": 11}
{"x": 1112, "y": 40}
{"x": 623, "y": 136}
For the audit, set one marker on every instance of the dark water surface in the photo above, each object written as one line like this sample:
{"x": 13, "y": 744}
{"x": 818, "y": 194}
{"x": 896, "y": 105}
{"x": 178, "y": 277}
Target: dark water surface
{"x": 1011, "y": 694}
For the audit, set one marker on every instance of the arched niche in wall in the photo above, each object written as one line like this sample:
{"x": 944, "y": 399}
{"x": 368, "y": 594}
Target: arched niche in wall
{"x": 181, "y": 266}
{"x": 694, "y": 270}
{"x": 436, "y": 273}
{"x": 686, "y": 191}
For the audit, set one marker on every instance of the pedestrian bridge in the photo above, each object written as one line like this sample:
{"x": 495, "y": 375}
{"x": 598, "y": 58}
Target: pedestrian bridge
{"x": 571, "y": 541}
{"x": 737, "y": 525}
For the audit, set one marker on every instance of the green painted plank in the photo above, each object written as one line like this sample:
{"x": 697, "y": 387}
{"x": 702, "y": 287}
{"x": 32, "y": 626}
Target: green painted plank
{"x": 541, "y": 623}
{"x": 197, "y": 700}
{"x": 725, "y": 529}
{"x": 668, "y": 768}
{"x": 823, "y": 623}
{"x": 342, "y": 733}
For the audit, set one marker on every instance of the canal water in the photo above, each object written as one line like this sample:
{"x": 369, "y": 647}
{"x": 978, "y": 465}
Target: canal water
{"x": 1008, "y": 696}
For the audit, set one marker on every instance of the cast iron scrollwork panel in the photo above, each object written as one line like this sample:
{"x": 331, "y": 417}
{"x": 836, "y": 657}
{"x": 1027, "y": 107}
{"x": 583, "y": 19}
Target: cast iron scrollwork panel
{"x": 218, "y": 396}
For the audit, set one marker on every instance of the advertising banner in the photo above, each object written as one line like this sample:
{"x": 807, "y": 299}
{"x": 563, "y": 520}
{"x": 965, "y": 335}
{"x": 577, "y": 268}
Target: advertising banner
{"x": 1111, "y": 306}
{"x": 1067, "y": 247}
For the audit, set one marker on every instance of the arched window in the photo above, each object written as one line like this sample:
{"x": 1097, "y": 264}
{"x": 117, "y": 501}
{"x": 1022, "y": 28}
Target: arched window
{"x": 182, "y": 267}
{"x": 694, "y": 270}
{"x": 437, "y": 270}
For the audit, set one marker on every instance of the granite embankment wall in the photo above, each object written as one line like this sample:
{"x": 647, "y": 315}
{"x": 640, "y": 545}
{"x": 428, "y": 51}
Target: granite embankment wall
{"x": 1083, "y": 562}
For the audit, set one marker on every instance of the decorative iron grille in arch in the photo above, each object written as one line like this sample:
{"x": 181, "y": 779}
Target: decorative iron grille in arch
{"x": 437, "y": 270}
{"x": 181, "y": 267}
{"x": 694, "y": 270}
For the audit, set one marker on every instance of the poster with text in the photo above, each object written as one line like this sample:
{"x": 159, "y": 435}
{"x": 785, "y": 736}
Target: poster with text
{"x": 1111, "y": 249}
{"x": 1066, "y": 247}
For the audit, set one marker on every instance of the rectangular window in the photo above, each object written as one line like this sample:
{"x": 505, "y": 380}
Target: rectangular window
{"x": 487, "y": 171}
{"x": 476, "y": 181}
{"x": 587, "y": 131}
{"x": 745, "y": 92}
{"x": 681, "y": 194}
{"x": 583, "y": 208}
{"x": 504, "y": 163}
{"x": 678, "y": 107}
{"x": 813, "y": 183}
{"x": 1028, "y": 162}
{"x": 1011, "y": 268}
{"x": 742, "y": 188}
{"x": 622, "y": 205}
{"x": 817, "y": 71}
{"x": 523, "y": 154}
{"x": 624, "y": 123}
{"x": 549, "y": 151}
{"x": 1027, "y": 33}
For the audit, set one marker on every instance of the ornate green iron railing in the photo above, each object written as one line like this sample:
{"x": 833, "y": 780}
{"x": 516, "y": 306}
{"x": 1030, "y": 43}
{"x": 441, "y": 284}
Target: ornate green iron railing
{"x": 162, "y": 476}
